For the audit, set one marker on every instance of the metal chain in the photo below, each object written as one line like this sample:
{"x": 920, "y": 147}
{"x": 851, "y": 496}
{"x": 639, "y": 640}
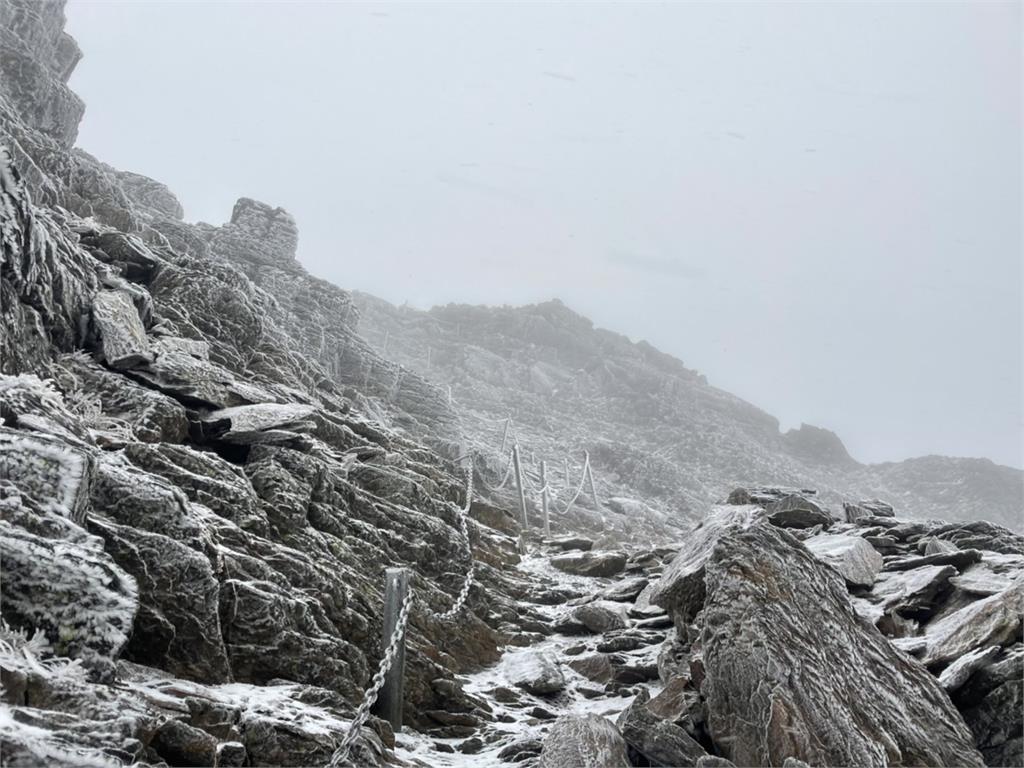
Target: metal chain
{"x": 460, "y": 601}
{"x": 583, "y": 479}
{"x": 499, "y": 486}
{"x": 359, "y": 720}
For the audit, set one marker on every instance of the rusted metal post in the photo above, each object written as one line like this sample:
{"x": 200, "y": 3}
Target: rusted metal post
{"x": 389, "y": 702}
{"x": 590, "y": 476}
{"x": 544, "y": 497}
{"x": 523, "y": 520}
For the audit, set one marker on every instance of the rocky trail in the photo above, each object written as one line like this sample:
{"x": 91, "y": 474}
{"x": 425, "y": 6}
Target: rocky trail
{"x": 206, "y": 469}
{"x": 678, "y": 647}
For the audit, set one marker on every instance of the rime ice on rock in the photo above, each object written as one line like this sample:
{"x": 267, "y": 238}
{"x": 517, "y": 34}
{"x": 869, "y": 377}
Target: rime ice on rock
{"x": 258, "y": 233}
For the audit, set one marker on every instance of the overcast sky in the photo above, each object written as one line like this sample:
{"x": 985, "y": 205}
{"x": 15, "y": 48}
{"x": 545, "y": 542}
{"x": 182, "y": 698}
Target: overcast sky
{"x": 816, "y": 205}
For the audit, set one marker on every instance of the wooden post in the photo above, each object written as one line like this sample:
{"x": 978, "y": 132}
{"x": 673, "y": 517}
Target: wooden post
{"x": 590, "y": 476}
{"x": 389, "y": 702}
{"x": 544, "y": 497}
{"x": 523, "y": 521}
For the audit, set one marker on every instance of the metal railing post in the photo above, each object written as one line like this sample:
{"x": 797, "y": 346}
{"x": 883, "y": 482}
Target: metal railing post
{"x": 590, "y": 476}
{"x": 389, "y": 702}
{"x": 565, "y": 465}
{"x": 544, "y": 497}
{"x": 523, "y": 520}
{"x": 504, "y": 436}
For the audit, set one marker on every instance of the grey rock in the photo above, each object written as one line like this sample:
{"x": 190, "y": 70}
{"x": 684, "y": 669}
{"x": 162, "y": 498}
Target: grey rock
{"x": 993, "y": 574}
{"x": 994, "y": 620}
{"x": 625, "y": 591}
{"x": 866, "y": 509}
{"x": 681, "y": 587}
{"x": 602, "y": 616}
{"x": 761, "y": 710}
{"x": 959, "y": 560}
{"x": 120, "y": 329}
{"x": 957, "y": 673}
{"x": 258, "y": 233}
{"x": 796, "y": 511}
{"x": 914, "y": 590}
{"x": 591, "y": 563}
{"x": 566, "y": 543}
{"x": 658, "y": 740}
{"x": 855, "y": 559}
{"x": 537, "y": 672}
{"x": 586, "y": 741}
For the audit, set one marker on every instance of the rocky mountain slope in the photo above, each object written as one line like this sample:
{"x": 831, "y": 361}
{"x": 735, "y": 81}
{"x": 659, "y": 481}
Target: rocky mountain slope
{"x": 205, "y": 468}
{"x": 656, "y": 430}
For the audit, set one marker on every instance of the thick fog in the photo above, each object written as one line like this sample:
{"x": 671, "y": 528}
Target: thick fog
{"x": 816, "y": 205}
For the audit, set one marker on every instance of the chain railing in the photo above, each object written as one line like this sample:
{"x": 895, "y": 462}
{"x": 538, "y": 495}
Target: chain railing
{"x": 395, "y": 642}
{"x": 467, "y": 583}
{"x": 363, "y": 712}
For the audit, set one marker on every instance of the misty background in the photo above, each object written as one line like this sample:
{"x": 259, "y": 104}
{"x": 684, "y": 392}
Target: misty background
{"x": 816, "y": 205}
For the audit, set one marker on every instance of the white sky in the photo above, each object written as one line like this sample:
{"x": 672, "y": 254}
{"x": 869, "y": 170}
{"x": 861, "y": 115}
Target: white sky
{"x": 817, "y": 205}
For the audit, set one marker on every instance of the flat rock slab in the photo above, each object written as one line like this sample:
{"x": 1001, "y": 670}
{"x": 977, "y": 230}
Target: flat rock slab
{"x": 790, "y": 670}
{"x": 567, "y": 543}
{"x": 602, "y": 616}
{"x": 991, "y": 576}
{"x": 583, "y": 741}
{"x": 912, "y": 590}
{"x": 957, "y": 673}
{"x": 536, "y": 672}
{"x": 959, "y": 560}
{"x": 246, "y": 424}
{"x": 994, "y": 620}
{"x": 122, "y": 335}
{"x": 625, "y": 591}
{"x": 796, "y": 511}
{"x": 856, "y": 560}
{"x": 596, "y": 564}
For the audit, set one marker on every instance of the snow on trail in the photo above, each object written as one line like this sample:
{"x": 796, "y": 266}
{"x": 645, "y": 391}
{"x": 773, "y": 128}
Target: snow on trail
{"x": 414, "y": 747}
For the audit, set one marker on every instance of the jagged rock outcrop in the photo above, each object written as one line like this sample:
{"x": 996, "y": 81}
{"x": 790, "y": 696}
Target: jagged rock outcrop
{"x": 205, "y": 467}
{"x": 791, "y": 671}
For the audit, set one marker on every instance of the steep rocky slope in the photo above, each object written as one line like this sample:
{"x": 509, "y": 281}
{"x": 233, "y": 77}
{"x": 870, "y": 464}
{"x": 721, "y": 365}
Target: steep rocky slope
{"x": 656, "y": 430}
{"x": 205, "y": 468}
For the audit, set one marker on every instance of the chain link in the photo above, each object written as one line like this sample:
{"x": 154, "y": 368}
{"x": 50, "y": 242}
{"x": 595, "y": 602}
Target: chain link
{"x": 460, "y": 601}
{"x": 363, "y": 713}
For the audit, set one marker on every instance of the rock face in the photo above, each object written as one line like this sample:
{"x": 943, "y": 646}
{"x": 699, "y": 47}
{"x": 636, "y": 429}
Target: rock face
{"x": 791, "y": 671}
{"x": 209, "y": 457}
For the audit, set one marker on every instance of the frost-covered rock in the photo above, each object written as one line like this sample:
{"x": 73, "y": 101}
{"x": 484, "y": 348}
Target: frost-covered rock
{"x": 994, "y": 620}
{"x": 122, "y": 335}
{"x": 591, "y": 563}
{"x": 58, "y": 579}
{"x": 790, "y": 671}
{"x": 855, "y": 559}
{"x": 537, "y": 672}
{"x": 586, "y": 741}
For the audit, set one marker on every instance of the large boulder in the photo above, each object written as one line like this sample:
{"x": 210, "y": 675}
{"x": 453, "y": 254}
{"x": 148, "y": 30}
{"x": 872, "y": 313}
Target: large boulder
{"x": 583, "y": 741}
{"x": 791, "y": 671}
{"x": 994, "y": 620}
{"x": 681, "y": 587}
